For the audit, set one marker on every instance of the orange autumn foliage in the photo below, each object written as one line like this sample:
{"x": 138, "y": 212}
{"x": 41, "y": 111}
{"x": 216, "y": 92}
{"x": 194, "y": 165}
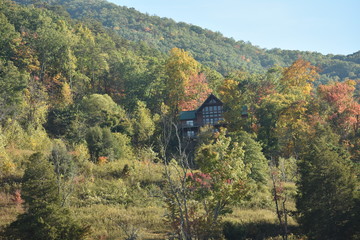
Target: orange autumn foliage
{"x": 345, "y": 110}
{"x": 196, "y": 92}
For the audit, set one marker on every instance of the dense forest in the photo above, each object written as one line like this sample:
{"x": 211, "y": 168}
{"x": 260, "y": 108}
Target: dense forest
{"x": 90, "y": 141}
{"x": 212, "y": 49}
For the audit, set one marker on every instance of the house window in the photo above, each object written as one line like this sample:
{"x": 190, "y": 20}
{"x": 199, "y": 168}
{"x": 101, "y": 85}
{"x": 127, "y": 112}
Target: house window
{"x": 212, "y": 114}
{"x": 190, "y": 133}
{"x": 190, "y": 123}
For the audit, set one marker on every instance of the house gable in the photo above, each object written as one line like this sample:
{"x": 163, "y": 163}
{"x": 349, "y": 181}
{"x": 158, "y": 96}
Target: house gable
{"x": 211, "y": 100}
{"x": 209, "y": 113}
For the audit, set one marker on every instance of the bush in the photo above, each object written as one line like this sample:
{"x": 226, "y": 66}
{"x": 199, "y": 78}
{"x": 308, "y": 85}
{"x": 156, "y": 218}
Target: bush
{"x": 101, "y": 143}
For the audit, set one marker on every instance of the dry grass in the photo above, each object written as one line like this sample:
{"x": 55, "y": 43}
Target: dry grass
{"x": 117, "y": 205}
{"x": 8, "y": 209}
{"x": 117, "y": 222}
{"x": 250, "y": 215}
{"x": 257, "y": 223}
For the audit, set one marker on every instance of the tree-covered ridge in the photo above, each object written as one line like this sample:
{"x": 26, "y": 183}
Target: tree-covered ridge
{"x": 210, "y": 48}
{"x": 83, "y": 56}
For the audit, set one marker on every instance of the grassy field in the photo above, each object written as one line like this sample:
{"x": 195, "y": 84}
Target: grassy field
{"x": 123, "y": 200}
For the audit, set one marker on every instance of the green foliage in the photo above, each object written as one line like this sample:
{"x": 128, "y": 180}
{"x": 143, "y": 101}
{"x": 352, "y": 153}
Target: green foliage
{"x": 64, "y": 168}
{"x": 221, "y": 183}
{"x": 12, "y": 84}
{"x": 8, "y": 37}
{"x": 62, "y": 122}
{"x": 36, "y": 105}
{"x": 39, "y": 182}
{"x": 255, "y": 160}
{"x": 210, "y": 48}
{"x": 253, "y": 157}
{"x": 101, "y": 110}
{"x": 7, "y": 166}
{"x": 46, "y": 223}
{"x": 100, "y": 142}
{"x": 15, "y": 135}
{"x": 44, "y": 218}
{"x": 81, "y": 81}
{"x": 61, "y": 159}
{"x": 327, "y": 188}
{"x": 143, "y": 124}
{"x": 123, "y": 148}
{"x": 38, "y": 140}
{"x": 289, "y": 169}
{"x": 256, "y": 230}
{"x": 103, "y": 143}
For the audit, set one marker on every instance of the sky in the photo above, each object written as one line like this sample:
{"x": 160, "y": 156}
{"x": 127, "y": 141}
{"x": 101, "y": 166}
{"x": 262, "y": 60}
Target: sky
{"x": 325, "y": 26}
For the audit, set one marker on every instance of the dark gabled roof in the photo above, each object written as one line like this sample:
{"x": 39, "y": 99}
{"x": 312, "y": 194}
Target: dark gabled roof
{"x": 207, "y": 101}
{"x": 188, "y": 115}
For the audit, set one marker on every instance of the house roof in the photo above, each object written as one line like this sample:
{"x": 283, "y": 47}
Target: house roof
{"x": 208, "y": 100}
{"x": 188, "y": 115}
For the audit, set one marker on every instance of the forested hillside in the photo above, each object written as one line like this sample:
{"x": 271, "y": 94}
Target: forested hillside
{"x": 210, "y": 48}
{"x": 91, "y": 145}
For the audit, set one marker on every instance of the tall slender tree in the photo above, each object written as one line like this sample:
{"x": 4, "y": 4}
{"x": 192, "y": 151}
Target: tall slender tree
{"x": 180, "y": 68}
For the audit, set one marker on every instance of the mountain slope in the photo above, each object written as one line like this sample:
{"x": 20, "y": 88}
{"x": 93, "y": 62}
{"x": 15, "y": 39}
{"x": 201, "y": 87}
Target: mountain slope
{"x": 210, "y": 48}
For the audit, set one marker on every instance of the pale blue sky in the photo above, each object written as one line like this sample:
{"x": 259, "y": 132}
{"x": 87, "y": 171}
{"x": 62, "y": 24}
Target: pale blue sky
{"x": 325, "y": 26}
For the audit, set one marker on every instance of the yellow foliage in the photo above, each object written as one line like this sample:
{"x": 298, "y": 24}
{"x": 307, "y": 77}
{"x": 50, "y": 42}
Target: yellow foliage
{"x": 291, "y": 124}
{"x": 15, "y": 135}
{"x": 351, "y": 82}
{"x": 229, "y": 90}
{"x": 81, "y": 153}
{"x": 66, "y": 94}
{"x": 233, "y": 99}
{"x": 7, "y": 167}
{"x": 39, "y": 140}
{"x": 299, "y": 75}
{"x": 180, "y": 67}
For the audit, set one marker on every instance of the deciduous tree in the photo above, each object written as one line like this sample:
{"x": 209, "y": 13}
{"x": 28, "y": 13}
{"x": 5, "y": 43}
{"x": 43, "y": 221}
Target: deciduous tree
{"x": 344, "y": 110}
{"x": 179, "y": 68}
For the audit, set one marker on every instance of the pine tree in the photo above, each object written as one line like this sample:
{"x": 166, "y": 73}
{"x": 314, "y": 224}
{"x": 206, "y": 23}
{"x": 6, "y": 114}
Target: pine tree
{"x": 327, "y": 188}
{"x": 44, "y": 218}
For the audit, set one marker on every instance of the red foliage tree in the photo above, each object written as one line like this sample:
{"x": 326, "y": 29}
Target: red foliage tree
{"x": 345, "y": 111}
{"x": 196, "y": 92}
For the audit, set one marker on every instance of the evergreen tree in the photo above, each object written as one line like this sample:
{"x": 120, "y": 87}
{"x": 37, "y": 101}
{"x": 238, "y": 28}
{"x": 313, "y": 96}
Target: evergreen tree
{"x": 327, "y": 188}
{"x": 44, "y": 218}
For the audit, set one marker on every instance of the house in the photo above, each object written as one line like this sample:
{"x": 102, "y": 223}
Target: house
{"x": 209, "y": 113}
